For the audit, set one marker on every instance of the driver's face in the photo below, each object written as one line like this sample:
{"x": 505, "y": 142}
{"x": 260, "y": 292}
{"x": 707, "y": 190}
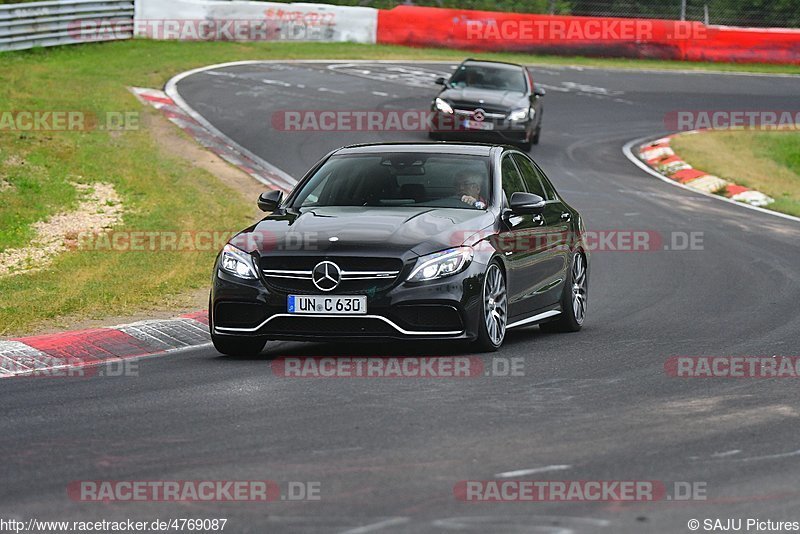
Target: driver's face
{"x": 468, "y": 187}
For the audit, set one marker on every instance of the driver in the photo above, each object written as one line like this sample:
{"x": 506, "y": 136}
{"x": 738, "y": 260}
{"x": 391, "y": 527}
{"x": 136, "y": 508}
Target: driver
{"x": 468, "y": 190}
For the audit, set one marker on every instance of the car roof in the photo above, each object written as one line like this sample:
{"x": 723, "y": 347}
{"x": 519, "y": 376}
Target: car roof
{"x": 472, "y": 149}
{"x": 489, "y": 63}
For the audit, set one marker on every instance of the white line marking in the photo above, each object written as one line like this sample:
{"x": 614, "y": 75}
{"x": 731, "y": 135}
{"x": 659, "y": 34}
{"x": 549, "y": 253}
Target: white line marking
{"x": 171, "y": 90}
{"x": 626, "y": 150}
{"x": 725, "y": 454}
{"x": 523, "y": 472}
{"x": 769, "y": 456}
{"x": 378, "y": 526}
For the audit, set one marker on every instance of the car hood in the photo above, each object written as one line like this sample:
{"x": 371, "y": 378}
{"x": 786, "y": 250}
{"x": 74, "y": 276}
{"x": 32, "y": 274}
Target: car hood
{"x": 491, "y": 98}
{"x": 398, "y": 232}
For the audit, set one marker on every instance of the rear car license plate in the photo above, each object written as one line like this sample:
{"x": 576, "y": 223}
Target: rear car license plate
{"x": 329, "y": 305}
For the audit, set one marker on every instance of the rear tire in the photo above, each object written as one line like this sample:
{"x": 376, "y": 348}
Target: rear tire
{"x": 494, "y": 309}
{"x": 237, "y": 345}
{"x": 573, "y": 298}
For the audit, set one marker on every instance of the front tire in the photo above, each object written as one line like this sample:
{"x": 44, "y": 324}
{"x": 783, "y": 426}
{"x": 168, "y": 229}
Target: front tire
{"x": 238, "y": 345}
{"x": 494, "y": 316}
{"x": 573, "y": 298}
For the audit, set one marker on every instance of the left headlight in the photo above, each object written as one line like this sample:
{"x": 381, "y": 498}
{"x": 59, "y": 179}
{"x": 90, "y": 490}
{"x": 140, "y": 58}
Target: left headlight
{"x": 443, "y": 106}
{"x": 237, "y": 262}
{"x": 441, "y": 264}
{"x": 519, "y": 114}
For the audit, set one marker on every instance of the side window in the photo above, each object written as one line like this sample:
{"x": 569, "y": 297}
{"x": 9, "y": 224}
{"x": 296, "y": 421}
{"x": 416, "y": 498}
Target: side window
{"x": 548, "y": 187}
{"x": 512, "y": 181}
{"x": 530, "y": 175}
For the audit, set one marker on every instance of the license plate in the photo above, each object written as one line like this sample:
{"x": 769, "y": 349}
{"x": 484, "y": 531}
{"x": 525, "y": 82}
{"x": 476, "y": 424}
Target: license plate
{"x": 478, "y": 125}
{"x": 329, "y": 305}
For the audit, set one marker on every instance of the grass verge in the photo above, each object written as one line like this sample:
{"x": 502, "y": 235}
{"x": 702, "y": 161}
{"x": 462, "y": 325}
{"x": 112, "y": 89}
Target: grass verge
{"x": 160, "y": 190}
{"x": 767, "y": 161}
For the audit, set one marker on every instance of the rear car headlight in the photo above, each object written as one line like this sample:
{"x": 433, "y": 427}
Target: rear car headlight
{"x": 237, "y": 262}
{"x": 519, "y": 114}
{"x": 442, "y": 106}
{"x": 441, "y": 264}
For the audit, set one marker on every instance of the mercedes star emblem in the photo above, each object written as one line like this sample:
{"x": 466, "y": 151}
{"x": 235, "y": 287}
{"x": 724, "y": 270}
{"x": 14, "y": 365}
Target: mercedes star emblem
{"x": 478, "y": 115}
{"x": 326, "y": 276}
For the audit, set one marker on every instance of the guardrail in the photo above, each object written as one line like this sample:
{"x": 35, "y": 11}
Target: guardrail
{"x": 64, "y": 22}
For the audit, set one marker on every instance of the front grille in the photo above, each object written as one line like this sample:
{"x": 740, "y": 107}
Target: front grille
{"x": 329, "y": 327}
{"x": 346, "y": 263}
{"x": 467, "y": 107}
{"x": 359, "y": 275}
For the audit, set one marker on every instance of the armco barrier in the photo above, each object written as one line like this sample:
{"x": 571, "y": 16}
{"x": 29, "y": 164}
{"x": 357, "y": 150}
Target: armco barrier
{"x": 63, "y": 22}
{"x": 197, "y": 19}
{"x": 591, "y": 36}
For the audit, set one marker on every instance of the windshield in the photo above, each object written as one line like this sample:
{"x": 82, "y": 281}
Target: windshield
{"x": 399, "y": 179}
{"x": 486, "y": 77}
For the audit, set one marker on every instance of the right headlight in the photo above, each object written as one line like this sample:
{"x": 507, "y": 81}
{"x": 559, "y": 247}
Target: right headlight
{"x": 237, "y": 262}
{"x": 442, "y": 106}
{"x": 441, "y": 264}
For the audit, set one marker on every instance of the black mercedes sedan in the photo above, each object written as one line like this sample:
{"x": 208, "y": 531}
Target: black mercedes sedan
{"x": 489, "y": 99}
{"x": 406, "y": 241}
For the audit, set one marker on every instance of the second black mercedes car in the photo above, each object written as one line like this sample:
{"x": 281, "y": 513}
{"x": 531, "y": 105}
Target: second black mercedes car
{"x": 409, "y": 241}
{"x": 489, "y": 99}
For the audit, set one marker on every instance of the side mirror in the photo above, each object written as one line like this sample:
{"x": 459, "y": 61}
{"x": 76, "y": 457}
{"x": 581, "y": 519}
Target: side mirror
{"x": 440, "y": 81}
{"x": 522, "y": 203}
{"x": 538, "y": 91}
{"x": 270, "y": 200}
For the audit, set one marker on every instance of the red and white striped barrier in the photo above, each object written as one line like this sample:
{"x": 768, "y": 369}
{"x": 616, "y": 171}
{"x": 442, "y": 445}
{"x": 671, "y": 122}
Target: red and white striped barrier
{"x": 55, "y": 354}
{"x": 660, "y": 157}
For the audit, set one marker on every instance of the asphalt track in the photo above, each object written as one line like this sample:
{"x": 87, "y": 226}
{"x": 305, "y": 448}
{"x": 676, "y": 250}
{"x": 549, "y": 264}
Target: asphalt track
{"x": 388, "y": 452}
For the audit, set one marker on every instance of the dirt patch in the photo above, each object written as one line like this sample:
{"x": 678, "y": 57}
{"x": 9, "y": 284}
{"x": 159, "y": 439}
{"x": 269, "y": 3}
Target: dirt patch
{"x": 99, "y": 209}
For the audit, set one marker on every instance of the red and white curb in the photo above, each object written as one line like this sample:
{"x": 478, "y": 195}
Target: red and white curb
{"x": 215, "y": 141}
{"x": 659, "y": 156}
{"x": 43, "y": 355}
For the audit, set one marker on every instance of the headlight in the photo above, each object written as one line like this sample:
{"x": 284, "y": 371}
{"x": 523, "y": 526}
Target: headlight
{"x": 237, "y": 262}
{"x": 518, "y": 114}
{"x": 441, "y": 264}
{"x": 443, "y": 106}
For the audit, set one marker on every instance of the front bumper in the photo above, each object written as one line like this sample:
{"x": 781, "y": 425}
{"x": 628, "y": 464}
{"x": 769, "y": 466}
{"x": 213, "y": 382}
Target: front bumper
{"x": 449, "y": 308}
{"x": 452, "y": 127}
